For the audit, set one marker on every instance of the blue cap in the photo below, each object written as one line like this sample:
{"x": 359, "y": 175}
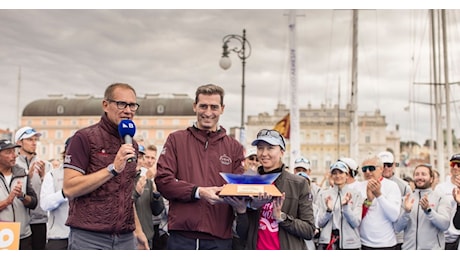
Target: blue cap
{"x": 141, "y": 149}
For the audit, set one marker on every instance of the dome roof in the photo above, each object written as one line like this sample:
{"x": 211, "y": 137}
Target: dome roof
{"x": 177, "y": 105}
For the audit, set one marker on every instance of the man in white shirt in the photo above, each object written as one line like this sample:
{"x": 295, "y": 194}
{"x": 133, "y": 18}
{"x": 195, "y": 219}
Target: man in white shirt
{"x": 381, "y": 207}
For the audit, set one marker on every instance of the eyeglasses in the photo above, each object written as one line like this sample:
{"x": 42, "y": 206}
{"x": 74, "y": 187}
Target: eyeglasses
{"x": 301, "y": 159}
{"x": 388, "y": 165}
{"x": 272, "y": 133}
{"x": 27, "y": 132}
{"x": 452, "y": 164}
{"x": 122, "y": 105}
{"x": 370, "y": 168}
{"x": 253, "y": 158}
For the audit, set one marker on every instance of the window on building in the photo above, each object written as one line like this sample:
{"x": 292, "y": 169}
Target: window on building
{"x": 343, "y": 138}
{"x": 315, "y": 137}
{"x": 367, "y": 139}
{"x": 59, "y": 134}
{"x": 176, "y": 122}
{"x": 327, "y": 161}
{"x": 328, "y": 137}
{"x": 60, "y": 110}
{"x": 314, "y": 162}
{"x": 160, "y": 134}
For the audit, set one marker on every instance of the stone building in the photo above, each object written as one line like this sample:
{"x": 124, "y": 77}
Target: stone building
{"x": 58, "y": 117}
{"x": 325, "y": 131}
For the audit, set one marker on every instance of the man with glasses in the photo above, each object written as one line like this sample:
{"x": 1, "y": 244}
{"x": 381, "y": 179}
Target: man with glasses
{"x": 27, "y": 138}
{"x": 381, "y": 207}
{"x": 188, "y": 176}
{"x": 389, "y": 165}
{"x": 446, "y": 187}
{"x": 99, "y": 180}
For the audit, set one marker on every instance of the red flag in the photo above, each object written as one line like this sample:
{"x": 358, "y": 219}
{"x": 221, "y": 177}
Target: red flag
{"x": 284, "y": 126}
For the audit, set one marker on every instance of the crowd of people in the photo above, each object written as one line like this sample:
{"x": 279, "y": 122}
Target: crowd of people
{"x": 112, "y": 192}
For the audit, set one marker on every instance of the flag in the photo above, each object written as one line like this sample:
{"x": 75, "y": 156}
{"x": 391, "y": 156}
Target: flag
{"x": 284, "y": 126}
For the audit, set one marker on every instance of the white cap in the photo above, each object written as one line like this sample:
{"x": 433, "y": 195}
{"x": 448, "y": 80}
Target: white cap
{"x": 302, "y": 162}
{"x": 341, "y": 166}
{"x": 250, "y": 151}
{"x": 25, "y": 132}
{"x": 386, "y": 157}
{"x": 350, "y": 162}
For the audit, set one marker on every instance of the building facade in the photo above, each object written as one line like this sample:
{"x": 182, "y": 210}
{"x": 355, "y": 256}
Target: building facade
{"x": 58, "y": 117}
{"x": 325, "y": 131}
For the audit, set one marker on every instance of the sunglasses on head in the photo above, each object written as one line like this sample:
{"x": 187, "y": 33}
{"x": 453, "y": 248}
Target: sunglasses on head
{"x": 452, "y": 164}
{"x": 27, "y": 132}
{"x": 272, "y": 133}
{"x": 299, "y": 160}
{"x": 253, "y": 158}
{"x": 370, "y": 168}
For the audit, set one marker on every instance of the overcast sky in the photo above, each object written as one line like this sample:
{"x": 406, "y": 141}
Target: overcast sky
{"x": 174, "y": 51}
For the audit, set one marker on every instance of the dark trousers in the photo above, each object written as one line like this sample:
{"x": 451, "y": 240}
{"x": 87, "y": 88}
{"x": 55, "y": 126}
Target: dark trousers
{"x": 363, "y": 247}
{"x": 179, "y": 242}
{"x": 453, "y": 245}
{"x": 57, "y": 244}
{"x": 25, "y": 243}
{"x": 159, "y": 242}
{"x": 38, "y": 236}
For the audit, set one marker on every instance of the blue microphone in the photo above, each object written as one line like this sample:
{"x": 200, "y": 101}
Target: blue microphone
{"x": 127, "y": 129}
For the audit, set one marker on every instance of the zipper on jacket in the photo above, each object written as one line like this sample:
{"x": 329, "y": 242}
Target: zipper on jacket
{"x": 207, "y": 141}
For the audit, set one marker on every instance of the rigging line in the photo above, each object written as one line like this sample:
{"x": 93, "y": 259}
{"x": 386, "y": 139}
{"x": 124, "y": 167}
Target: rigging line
{"x": 377, "y": 62}
{"x": 454, "y": 38}
{"x": 331, "y": 30}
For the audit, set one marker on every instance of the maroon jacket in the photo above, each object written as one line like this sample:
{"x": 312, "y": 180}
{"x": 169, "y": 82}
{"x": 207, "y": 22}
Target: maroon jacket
{"x": 193, "y": 158}
{"x": 109, "y": 208}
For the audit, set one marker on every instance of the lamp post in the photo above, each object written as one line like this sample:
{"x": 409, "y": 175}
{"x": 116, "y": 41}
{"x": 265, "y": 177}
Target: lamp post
{"x": 226, "y": 63}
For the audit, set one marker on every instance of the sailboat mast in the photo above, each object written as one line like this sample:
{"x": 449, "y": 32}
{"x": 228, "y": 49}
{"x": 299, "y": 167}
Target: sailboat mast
{"x": 354, "y": 150}
{"x": 437, "y": 106}
{"x": 447, "y": 85}
{"x": 294, "y": 110}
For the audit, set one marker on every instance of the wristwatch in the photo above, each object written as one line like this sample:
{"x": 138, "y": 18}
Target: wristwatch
{"x": 282, "y": 217}
{"x": 23, "y": 197}
{"x": 111, "y": 169}
{"x": 428, "y": 210}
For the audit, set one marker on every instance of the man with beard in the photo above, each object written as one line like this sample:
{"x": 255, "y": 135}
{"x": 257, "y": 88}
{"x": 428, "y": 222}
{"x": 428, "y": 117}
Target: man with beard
{"x": 425, "y": 215}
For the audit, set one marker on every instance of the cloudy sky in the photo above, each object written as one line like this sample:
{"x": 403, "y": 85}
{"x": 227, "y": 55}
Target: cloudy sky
{"x": 175, "y": 50}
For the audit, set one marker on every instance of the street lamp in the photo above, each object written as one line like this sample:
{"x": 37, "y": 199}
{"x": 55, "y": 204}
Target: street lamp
{"x": 226, "y": 63}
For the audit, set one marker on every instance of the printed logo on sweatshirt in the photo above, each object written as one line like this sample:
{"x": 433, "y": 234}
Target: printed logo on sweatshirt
{"x": 225, "y": 159}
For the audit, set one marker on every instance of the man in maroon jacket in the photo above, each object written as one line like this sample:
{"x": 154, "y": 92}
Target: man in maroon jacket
{"x": 188, "y": 176}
